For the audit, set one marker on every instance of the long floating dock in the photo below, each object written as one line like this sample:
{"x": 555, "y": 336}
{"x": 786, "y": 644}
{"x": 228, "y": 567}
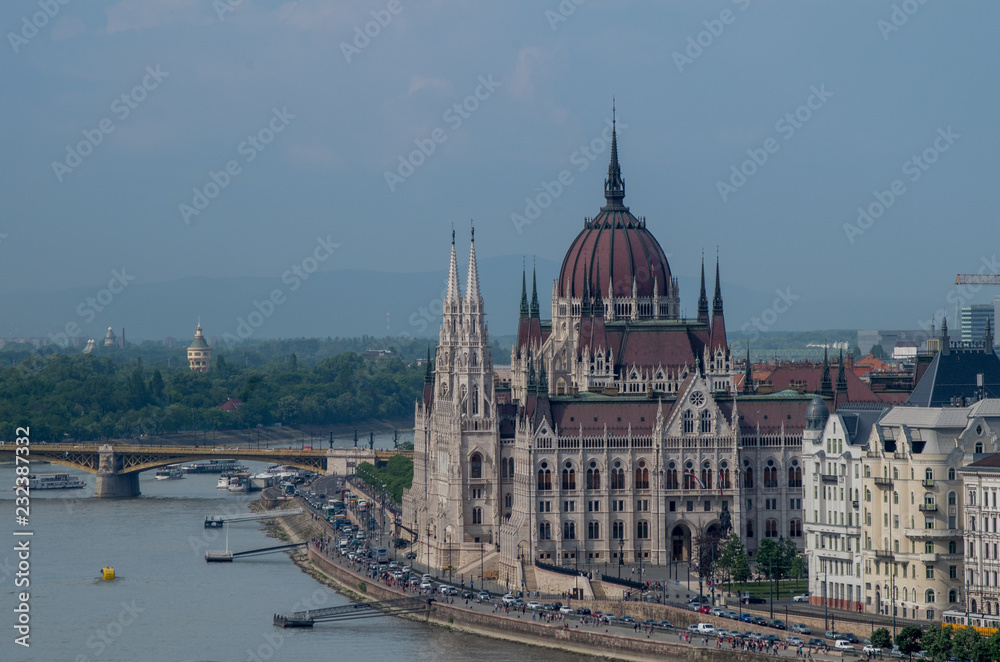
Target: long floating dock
{"x": 227, "y": 556}
{"x": 216, "y": 521}
{"x": 306, "y": 619}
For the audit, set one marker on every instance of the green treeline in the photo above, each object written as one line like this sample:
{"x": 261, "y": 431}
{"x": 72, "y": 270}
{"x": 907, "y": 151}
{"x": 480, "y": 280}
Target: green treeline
{"x": 120, "y": 395}
{"x": 395, "y": 476}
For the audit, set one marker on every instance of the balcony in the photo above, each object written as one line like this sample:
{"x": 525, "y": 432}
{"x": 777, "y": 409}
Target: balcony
{"x": 932, "y": 534}
{"x": 884, "y": 554}
{"x": 928, "y": 558}
{"x": 927, "y": 482}
{"x": 928, "y": 507}
{"x": 883, "y": 482}
{"x": 829, "y": 478}
{"x": 856, "y": 504}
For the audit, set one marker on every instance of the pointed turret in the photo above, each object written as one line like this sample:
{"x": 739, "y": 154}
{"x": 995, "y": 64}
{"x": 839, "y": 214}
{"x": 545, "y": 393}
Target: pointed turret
{"x": 614, "y": 185}
{"x": 841, "y": 375}
{"x": 703, "y": 298}
{"x": 534, "y": 294}
{"x": 719, "y": 342}
{"x": 717, "y": 299}
{"x": 472, "y": 296}
{"x": 453, "y": 295}
{"x": 825, "y": 384}
{"x": 748, "y": 375}
{"x": 428, "y": 377}
{"x": 524, "y": 294}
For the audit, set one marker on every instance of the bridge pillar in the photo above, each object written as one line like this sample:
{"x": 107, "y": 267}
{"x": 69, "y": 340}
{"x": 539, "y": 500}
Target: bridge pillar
{"x": 110, "y": 483}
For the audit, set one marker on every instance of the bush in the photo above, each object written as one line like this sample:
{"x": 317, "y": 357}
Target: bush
{"x": 363, "y": 587}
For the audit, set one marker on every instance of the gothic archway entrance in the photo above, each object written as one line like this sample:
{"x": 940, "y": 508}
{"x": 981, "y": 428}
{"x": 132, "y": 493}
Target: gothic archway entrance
{"x": 680, "y": 543}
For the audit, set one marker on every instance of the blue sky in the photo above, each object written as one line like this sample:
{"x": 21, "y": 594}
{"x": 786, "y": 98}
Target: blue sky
{"x": 833, "y": 100}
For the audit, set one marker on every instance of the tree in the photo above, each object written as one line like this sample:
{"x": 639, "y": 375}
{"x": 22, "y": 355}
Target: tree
{"x": 877, "y": 352}
{"x": 968, "y": 644}
{"x": 994, "y": 645}
{"x": 768, "y": 558}
{"x": 731, "y": 553}
{"x": 881, "y": 638}
{"x": 908, "y": 639}
{"x": 937, "y": 642}
{"x": 708, "y": 552}
{"x": 799, "y": 567}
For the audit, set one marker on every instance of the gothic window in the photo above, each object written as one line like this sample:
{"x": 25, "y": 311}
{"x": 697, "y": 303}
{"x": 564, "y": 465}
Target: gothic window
{"x": 569, "y": 477}
{"x": 671, "y": 477}
{"x": 771, "y": 528}
{"x": 747, "y": 474}
{"x": 476, "y": 466}
{"x": 688, "y": 421}
{"x": 724, "y": 482}
{"x": 706, "y": 475}
{"x": 477, "y": 515}
{"x": 618, "y": 530}
{"x": 642, "y": 530}
{"x": 689, "y": 481}
{"x": 642, "y": 476}
{"x": 617, "y": 476}
{"x": 593, "y": 530}
{"x": 569, "y": 530}
{"x": 510, "y": 467}
{"x": 770, "y": 474}
{"x": 706, "y": 421}
{"x": 503, "y": 468}
{"x": 749, "y": 528}
{"x": 795, "y": 528}
{"x": 544, "y": 480}
{"x": 544, "y": 531}
{"x": 475, "y": 400}
{"x": 593, "y": 477}
{"x": 795, "y": 474}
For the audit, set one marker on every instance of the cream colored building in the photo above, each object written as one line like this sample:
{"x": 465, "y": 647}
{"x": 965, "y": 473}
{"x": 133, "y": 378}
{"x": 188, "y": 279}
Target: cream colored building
{"x": 199, "y": 353}
{"x": 980, "y": 594}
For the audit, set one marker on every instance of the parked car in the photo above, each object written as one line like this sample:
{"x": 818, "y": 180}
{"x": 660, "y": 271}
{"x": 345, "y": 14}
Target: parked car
{"x": 801, "y": 598}
{"x": 848, "y": 636}
{"x": 831, "y": 634}
{"x": 566, "y": 610}
{"x": 735, "y": 615}
{"x": 484, "y": 596}
{"x": 816, "y": 641}
{"x": 770, "y": 636}
{"x": 759, "y": 620}
{"x": 794, "y": 640}
{"x": 800, "y": 628}
{"x": 843, "y": 645}
{"x": 426, "y": 586}
{"x": 649, "y": 623}
{"x": 716, "y": 611}
{"x": 583, "y": 611}
{"x": 665, "y": 624}
{"x": 777, "y": 624}
{"x": 699, "y": 598}
{"x": 754, "y": 601}
{"x": 704, "y": 609}
{"x": 411, "y": 555}
{"x": 746, "y": 618}
{"x": 547, "y": 607}
{"x": 508, "y": 599}
{"x": 871, "y": 650}
{"x": 628, "y": 620}
{"x": 534, "y": 606}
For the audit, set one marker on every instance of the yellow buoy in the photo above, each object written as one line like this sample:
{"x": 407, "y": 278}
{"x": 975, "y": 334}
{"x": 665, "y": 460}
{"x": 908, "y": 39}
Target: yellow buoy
{"x": 107, "y": 572}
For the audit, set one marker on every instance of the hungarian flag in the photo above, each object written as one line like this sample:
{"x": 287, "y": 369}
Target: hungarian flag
{"x": 688, "y": 472}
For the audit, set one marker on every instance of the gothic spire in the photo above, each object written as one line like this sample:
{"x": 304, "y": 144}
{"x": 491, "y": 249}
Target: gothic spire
{"x": 534, "y": 293}
{"x": 841, "y": 376}
{"x": 748, "y": 375}
{"x": 614, "y": 185}
{"x": 427, "y": 370}
{"x": 717, "y": 299}
{"x": 454, "y": 295}
{"x": 524, "y": 294}
{"x": 825, "y": 385}
{"x": 472, "y": 279}
{"x": 703, "y": 299}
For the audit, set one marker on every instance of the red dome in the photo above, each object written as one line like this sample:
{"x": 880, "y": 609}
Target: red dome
{"x": 616, "y": 245}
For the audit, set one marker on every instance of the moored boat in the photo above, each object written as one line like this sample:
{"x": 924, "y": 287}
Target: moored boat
{"x": 54, "y": 482}
{"x": 169, "y": 473}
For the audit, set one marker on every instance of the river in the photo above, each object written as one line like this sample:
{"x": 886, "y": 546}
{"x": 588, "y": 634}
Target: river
{"x": 168, "y": 604}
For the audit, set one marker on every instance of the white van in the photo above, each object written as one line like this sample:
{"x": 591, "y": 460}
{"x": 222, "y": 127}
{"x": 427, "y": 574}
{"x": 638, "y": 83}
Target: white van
{"x": 704, "y": 628}
{"x": 843, "y": 645}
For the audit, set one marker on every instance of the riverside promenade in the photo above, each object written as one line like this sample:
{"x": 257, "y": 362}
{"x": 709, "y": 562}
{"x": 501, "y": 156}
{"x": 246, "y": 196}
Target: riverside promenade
{"x": 565, "y": 632}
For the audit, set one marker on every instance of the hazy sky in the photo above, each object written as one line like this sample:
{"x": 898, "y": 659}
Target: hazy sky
{"x": 122, "y": 119}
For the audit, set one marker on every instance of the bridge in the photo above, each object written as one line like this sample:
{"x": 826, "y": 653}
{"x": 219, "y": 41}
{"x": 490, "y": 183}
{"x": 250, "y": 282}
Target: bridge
{"x": 394, "y": 607}
{"x": 117, "y": 466}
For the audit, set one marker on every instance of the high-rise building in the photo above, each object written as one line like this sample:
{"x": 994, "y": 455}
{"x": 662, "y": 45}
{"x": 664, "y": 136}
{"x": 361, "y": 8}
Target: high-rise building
{"x": 974, "y": 321}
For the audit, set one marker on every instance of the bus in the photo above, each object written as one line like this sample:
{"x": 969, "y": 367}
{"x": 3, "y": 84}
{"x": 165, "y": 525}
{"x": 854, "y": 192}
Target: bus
{"x": 985, "y": 624}
{"x": 381, "y": 554}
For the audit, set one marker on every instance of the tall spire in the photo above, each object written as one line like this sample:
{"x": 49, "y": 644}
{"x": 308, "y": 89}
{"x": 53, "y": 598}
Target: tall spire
{"x": 841, "y": 376}
{"x": 825, "y": 384}
{"x": 717, "y": 299}
{"x": 472, "y": 280}
{"x": 534, "y": 293}
{"x": 524, "y": 293}
{"x": 748, "y": 376}
{"x": 703, "y": 298}
{"x": 614, "y": 185}
{"x": 454, "y": 295}
{"x": 427, "y": 371}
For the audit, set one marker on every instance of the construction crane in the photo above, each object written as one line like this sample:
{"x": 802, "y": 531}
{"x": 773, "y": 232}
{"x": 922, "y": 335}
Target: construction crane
{"x": 977, "y": 279}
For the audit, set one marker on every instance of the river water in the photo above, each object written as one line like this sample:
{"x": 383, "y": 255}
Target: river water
{"x": 168, "y": 604}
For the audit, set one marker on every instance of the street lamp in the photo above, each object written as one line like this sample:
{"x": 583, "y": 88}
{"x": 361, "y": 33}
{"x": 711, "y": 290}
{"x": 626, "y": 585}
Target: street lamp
{"x": 621, "y": 555}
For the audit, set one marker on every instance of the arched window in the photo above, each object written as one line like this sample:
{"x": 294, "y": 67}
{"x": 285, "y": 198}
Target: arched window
{"x": 544, "y": 479}
{"x": 642, "y": 476}
{"x": 706, "y": 421}
{"x": 688, "y": 421}
{"x": 929, "y": 596}
{"x": 771, "y": 528}
{"x": 617, "y": 476}
{"x": 475, "y": 400}
{"x": 670, "y": 477}
{"x": 795, "y": 474}
{"x": 770, "y": 474}
{"x": 477, "y": 515}
{"x": 951, "y": 473}
{"x": 503, "y": 468}
{"x": 706, "y": 475}
{"x": 593, "y": 477}
{"x": 953, "y": 596}
{"x": 618, "y": 530}
{"x": 476, "y": 466}
{"x": 979, "y": 447}
{"x": 895, "y": 497}
{"x": 868, "y": 494}
{"x": 895, "y": 473}
{"x": 952, "y": 498}
{"x": 544, "y": 531}
{"x": 749, "y": 528}
{"x": 689, "y": 482}
{"x": 795, "y": 528}
{"x": 642, "y": 530}
{"x": 868, "y": 471}
{"x": 724, "y": 481}
{"x": 747, "y": 474}
{"x": 510, "y": 467}
{"x": 569, "y": 477}
{"x": 569, "y": 530}
{"x": 593, "y": 530}
{"x": 928, "y": 474}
